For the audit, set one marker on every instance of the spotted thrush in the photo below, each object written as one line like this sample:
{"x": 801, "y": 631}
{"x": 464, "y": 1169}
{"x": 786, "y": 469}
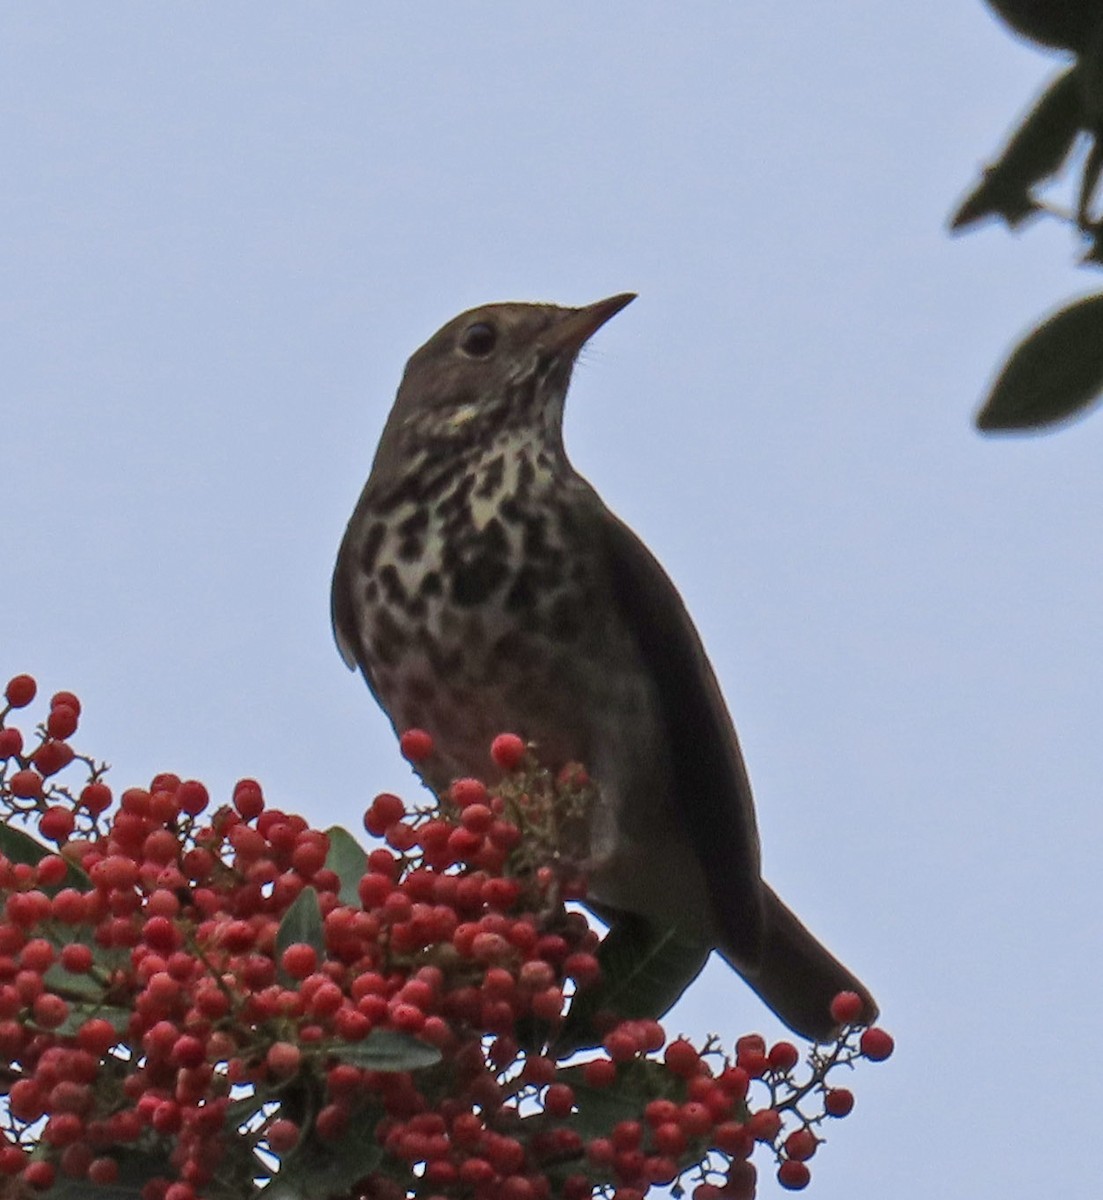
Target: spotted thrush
{"x": 482, "y": 585}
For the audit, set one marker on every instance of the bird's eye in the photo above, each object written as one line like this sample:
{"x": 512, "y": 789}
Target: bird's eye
{"x": 479, "y": 339}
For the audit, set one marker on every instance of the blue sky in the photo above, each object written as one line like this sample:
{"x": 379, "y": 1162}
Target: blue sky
{"x": 226, "y": 227}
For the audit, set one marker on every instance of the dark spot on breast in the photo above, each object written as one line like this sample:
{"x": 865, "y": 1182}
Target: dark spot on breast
{"x": 371, "y": 591}
{"x": 412, "y": 534}
{"x": 523, "y": 591}
{"x": 474, "y": 581}
{"x": 430, "y": 584}
{"x": 370, "y": 549}
{"x": 456, "y": 501}
{"x": 393, "y": 591}
{"x": 509, "y": 510}
{"x": 492, "y": 476}
{"x": 526, "y": 474}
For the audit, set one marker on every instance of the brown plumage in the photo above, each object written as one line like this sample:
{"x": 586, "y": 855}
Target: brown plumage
{"x": 483, "y": 585}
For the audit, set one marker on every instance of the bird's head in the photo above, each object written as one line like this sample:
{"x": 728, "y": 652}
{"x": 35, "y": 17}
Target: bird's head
{"x": 492, "y": 369}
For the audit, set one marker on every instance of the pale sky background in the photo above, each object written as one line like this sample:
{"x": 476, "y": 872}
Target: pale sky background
{"x": 226, "y": 226}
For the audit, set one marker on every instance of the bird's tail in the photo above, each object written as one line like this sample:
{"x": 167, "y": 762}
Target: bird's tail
{"x": 797, "y": 976}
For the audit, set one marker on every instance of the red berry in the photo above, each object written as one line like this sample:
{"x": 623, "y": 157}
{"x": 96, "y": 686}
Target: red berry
{"x": 248, "y": 798}
{"x": 600, "y": 1073}
{"x": 26, "y": 784}
{"x": 508, "y": 751}
{"x": 283, "y": 1059}
{"x": 38, "y": 1174}
{"x": 385, "y": 810}
{"x": 838, "y": 1102}
{"x": 669, "y": 1138}
{"x": 793, "y": 1175}
{"x": 468, "y": 791}
{"x": 56, "y": 823}
{"x": 416, "y": 745}
{"x": 801, "y": 1144}
{"x": 76, "y": 958}
{"x": 846, "y": 1008}
{"x": 65, "y": 700}
{"x": 192, "y": 797}
{"x": 695, "y": 1118}
{"x": 299, "y": 960}
{"x": 876, "y": 1044}
{"x": 62, "y": 722}
{"x": 20, "y": 690}
{"x": 783, "y": 1057}
{"x": 559, "y": 1100}
{"x": 96, "y": 1036}
{"x": 52, "y": 756}
{"x": 11, "y": 743}
{"x": 764, "y": 1125}
{"x": 682, "y": 1058}
{"x": 103, "y": 1171}
{"x": 95, "y": 798}
{"x": 49, "y": 1010}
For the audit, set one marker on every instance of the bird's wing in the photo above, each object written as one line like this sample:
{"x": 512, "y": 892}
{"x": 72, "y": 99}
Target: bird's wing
{"x": 712, "y": 791}
{"x": 342, "y": 607}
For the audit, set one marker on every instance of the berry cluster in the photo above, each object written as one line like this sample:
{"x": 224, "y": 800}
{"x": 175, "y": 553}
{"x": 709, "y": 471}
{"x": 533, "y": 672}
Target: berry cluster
{"x": 194, "y": 1000}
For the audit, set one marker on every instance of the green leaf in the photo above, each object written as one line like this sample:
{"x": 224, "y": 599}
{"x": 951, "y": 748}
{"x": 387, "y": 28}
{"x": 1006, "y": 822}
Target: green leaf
{"x": 644, "y": 970}
{"x": 301, "y": 923}
{"x": 599, "y": 1109}
{"x": 105, "y": 960}
{"x": 1036, "y": 150}
{"x": 20, "y": 847}
{"x": 81, "y": 1011}
{"x": 314, "y": 1171}
{"x": 136, "y": 1169}
{"x": 387, "y": 1050}
{"x": 1054, "y": 372}
{"x": 348, "y": 860}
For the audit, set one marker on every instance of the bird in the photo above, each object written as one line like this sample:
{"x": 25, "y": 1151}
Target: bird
{"x": 482, "y": 585}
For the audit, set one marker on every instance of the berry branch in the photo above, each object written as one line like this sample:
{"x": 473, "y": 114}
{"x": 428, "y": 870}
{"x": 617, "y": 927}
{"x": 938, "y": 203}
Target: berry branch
{"x": 207, "y": 1003}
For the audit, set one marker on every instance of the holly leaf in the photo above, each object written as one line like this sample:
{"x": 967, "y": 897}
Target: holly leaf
{"x": 644, "y": 970}
{"x": 1054, "y": 373}
{"x": 301, "y": 923}
{"x": 1036, "y": 150}
{"x": 348, "y": 860}
{"x": 388, "y": 1050}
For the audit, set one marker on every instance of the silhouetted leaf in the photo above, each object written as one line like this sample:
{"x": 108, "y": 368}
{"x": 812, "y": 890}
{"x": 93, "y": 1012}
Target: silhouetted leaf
{"x": 301, "y": 923}
{"x": 348, "y": 860}
{"x": 1036, "y": 150}
{"x": 644, "y": 970}
{"x": 1055, "y": 372}
{"x": 1066, "y": 24}
{"x": 387, "y": 1050}
{"x": 18, "y": 845}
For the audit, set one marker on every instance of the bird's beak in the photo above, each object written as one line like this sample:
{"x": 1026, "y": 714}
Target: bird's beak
{"x": 580, "y": 324}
